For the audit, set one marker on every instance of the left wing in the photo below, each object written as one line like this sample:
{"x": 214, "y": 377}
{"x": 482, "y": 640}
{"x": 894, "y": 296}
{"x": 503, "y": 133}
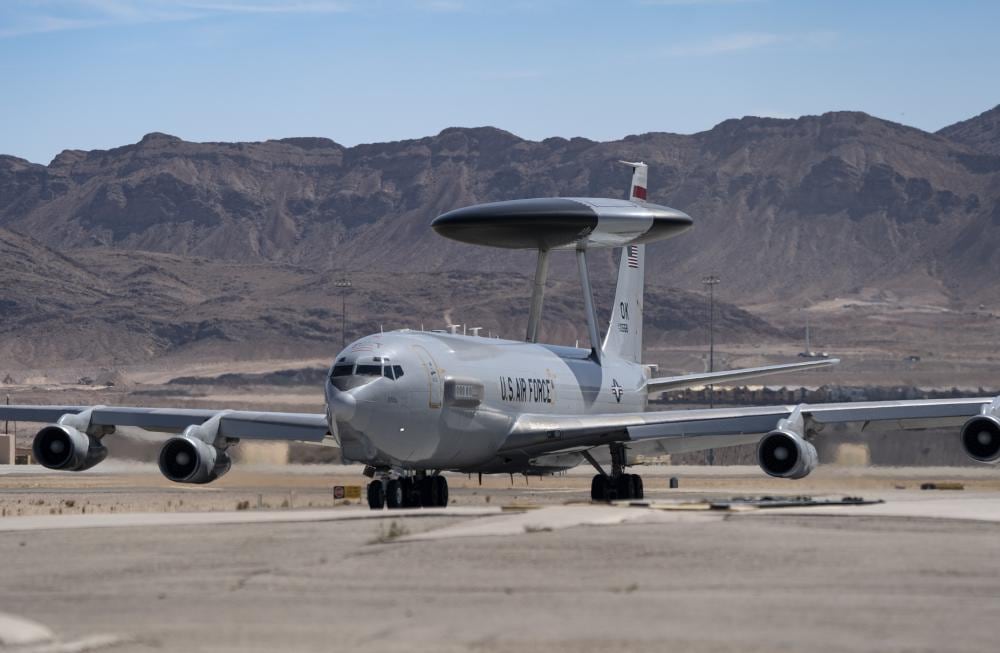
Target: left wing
{"x": 72, "y": 439}
{"x": 307, "y": 427}
{"x": 679, "y": 431}
{"x": 663, "y": 383}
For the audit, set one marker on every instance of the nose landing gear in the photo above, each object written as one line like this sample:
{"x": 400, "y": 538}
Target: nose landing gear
{"x": 419, "y": 490}
{"x": 617, "y": 485}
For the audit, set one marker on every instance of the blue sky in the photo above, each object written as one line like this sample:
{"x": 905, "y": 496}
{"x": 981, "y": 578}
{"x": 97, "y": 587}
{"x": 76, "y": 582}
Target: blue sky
{"x": 101, "y": 73}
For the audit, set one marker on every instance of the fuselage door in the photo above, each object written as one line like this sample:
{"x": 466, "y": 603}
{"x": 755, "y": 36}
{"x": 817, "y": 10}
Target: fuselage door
{"x": 436, "y": 385}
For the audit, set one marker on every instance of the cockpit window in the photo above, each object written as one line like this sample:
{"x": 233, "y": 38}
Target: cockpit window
{"x": 397, "y": 370}
{"x": 387, "y": 372}
{"x": 369, "y": 370}
{"x": 342, "y": 369}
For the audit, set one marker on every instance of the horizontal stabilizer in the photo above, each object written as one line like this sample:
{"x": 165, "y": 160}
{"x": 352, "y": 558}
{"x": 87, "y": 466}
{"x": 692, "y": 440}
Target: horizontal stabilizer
{"x": 665, "y": 383}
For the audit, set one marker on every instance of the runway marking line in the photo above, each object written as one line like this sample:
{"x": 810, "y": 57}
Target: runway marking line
{"x": 140, "y": 519}
{"x": 27, "y": 636}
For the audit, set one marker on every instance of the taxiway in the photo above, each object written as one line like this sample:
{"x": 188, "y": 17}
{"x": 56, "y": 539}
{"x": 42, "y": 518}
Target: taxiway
{"x": 920, "y": 572}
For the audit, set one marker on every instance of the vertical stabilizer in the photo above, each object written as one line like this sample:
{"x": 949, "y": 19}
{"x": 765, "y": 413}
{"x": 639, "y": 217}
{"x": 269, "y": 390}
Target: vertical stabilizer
{"x": 624, "y": 337}
{"x": 637, "y": 191}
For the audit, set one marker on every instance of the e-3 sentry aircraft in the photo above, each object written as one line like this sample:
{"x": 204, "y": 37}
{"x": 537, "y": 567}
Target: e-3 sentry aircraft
{"x": 411, "y": 404}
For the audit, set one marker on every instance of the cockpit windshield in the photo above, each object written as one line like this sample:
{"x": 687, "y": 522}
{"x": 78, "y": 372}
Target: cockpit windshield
{"x": 342, "y": 369}
{"x": 364, "y": 369}
{"x": 346, "y": 374}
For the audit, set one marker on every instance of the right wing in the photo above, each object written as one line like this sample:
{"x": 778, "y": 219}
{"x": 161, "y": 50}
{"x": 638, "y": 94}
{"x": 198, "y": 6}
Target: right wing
{"x": 680, "y": 431}
{"x": 664, "y": 383}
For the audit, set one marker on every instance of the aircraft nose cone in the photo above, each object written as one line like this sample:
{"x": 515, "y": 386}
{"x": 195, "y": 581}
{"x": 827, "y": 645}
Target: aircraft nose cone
{"x": 343, "y": 405}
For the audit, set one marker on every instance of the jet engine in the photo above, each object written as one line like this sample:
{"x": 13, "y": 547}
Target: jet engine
{"x": 60, "y": 446}
{"x": 186, "y": 459}
{"x": 981, "y": 438}
{"x": 786, "y": 454}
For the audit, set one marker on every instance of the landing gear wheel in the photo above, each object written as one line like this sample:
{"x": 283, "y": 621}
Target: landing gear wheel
{"x": 439, "y": 491}
{"x": 637, "y": 489}
{"x": 411, "y": 492}
{"x": 599, "y": 488}
{"x": 427, "y": 497}
{"x": 394, "y": 495}
{"x": 623, "y": 487}
{"x": 376, "y": 495}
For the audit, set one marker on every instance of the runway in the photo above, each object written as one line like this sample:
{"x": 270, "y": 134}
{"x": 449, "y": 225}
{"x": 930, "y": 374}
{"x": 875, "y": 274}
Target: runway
{"x": 920, "y": 572}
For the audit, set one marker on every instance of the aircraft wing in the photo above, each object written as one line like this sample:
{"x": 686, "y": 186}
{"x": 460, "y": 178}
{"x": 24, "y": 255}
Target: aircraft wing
{"x": 679, "y": 431}
{"x": 663, "y": 383}
{"x": 306, "y": 427}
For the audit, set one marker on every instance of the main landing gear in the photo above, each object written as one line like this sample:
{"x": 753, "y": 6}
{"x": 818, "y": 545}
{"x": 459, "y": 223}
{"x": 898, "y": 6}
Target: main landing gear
{"x": 416, "y": 491}
{"x": 617, "y": 486}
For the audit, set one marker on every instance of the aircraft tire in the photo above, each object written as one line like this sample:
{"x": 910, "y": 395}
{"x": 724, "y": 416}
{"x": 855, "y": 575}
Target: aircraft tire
{"x": 637, "y": 489}
{"x": 598, "y": 488}
{"x": 442, "y": 491}
{"x": 623, "y": 485}
{"x": 427, "y": 497}
{"x": 376, "y": 495}
{"x": 395, "y": 497}
{"x": 412, "y": 492}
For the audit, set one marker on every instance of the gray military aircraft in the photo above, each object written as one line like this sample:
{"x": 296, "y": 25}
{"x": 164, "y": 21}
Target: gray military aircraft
{"x": 412, "y": 404}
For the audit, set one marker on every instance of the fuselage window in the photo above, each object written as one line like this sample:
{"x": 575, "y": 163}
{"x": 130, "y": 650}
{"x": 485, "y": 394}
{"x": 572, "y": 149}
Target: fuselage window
{"x": 369, "y": 370}
{"x": 345, "y": 369}
{"x": 398, "y": 370}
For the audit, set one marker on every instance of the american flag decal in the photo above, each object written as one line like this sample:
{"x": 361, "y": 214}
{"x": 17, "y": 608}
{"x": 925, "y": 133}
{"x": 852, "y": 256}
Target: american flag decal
{"x": 633, "y": 256}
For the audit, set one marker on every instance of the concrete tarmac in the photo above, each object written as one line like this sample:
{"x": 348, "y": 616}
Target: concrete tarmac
{"x": 920, "y": 572}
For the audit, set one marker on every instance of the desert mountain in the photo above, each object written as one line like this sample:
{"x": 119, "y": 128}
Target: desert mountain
{"x": 215, "y": 249}
{"x": 790, "y": 209}
{"x": 114, "y": 308}
{"x": 981, "y": 133}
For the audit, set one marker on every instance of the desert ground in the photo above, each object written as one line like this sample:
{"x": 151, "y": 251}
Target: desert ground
{"x": 119, "y": 559}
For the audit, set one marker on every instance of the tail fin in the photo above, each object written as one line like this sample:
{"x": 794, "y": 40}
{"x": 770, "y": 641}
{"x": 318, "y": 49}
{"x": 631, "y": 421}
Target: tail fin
{"x": 624, "y": 337}
{"x": 637, "y": 191}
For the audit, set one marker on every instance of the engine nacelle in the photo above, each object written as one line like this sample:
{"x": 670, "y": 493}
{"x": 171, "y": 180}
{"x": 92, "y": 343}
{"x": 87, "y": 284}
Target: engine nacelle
{"x": 186, "y": 459}
{"x": 981, "y": 438}
{"x": 786, "y": 454}
{"x": 60, "y": 446}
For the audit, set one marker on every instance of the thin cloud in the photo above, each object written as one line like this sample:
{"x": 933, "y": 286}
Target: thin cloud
{"x": 25, "y": 17}
{"x": 692, "y": 3}
{"x": 513, "y": 74}
{"x": 740, "y": 42}
{"x": 442, "y": 6}
{"x": 724, "y": 44}
{"x": 268, "y": 7}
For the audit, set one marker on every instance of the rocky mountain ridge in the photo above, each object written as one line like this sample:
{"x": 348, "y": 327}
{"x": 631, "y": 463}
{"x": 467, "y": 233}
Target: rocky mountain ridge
{"x": 163, "y": 246}
{"x": 807, "y": 208}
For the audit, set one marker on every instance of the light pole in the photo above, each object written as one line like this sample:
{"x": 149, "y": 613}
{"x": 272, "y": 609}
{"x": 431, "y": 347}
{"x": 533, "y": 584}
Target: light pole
{"x": 711, "y": 281}
{"x": 345, "y": 285}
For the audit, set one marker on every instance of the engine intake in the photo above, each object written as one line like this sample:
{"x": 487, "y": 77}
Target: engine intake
{"x": 186, "y": 459}
{"x": 59, "y": 446}
{"x": 786, "y": 454}
{"x": 981, "y": 438}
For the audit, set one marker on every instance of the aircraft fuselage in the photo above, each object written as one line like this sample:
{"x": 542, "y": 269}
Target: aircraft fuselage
{"x": 457, "y": 397}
